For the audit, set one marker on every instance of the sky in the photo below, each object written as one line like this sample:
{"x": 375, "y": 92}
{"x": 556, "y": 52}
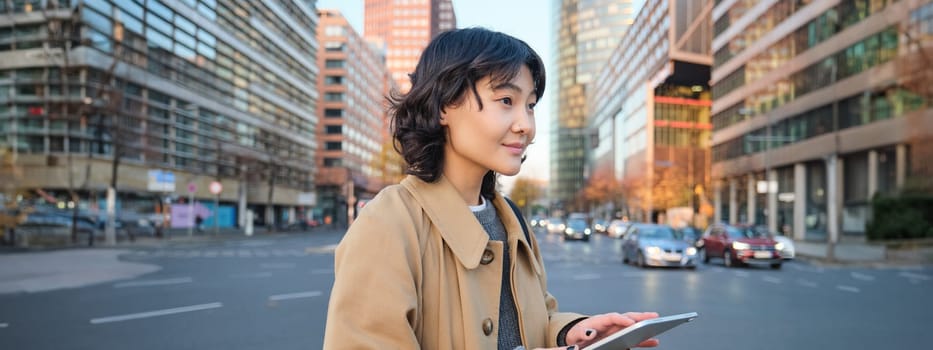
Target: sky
{"x": 528, "y": 20}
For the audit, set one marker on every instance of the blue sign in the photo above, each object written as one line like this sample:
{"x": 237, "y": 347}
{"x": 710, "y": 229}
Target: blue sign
{"x": 161, "y": 181}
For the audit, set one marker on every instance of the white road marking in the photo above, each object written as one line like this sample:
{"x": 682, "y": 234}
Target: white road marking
{"x": 770, "y": 279}
{"x": 742, "y": 274}
{"x": 296, "y": 253}
{"x": 4, "y": 325}
{"x": 295, "y": 295}
{"x": 252, "y": 275}
{"x": 245, "y": 253}
{"x": 634, "y": 274}
{"x": 862, "y": 276}
{"x": 194, "y": 253}
{"x": 322, "y": 272}
{"x": 228, "y": 253}
{"x": 848, "y": 289}
{"x": 156, "y": 313}
{"x": 210, "y": 254}
{"x": 586, "y": 277}
{"x": 914, "y": 276}
{"x": 806, "y": 283}
{"x": 260, "y": 253}
{"x": 150, "y": 283}
{"x": 807, "y": 268}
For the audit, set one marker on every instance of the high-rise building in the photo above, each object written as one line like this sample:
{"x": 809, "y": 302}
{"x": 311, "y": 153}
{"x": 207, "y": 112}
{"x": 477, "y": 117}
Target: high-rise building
{"x": 352, "y": 131}
{"x": 403, "y": 28}
{"x": 650, "y": 107}
{"x": 160, "y": 98}
{"x": 587, "y": 32}
{"x": 818, "y": 106}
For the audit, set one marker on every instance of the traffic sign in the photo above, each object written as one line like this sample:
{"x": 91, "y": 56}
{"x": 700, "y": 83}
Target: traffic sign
{"x": 192, "y": 188}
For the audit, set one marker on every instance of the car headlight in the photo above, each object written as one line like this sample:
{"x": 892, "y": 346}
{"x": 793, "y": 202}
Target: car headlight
{"x": 740, "y": 246}
{"x": 691, "y": 251}
{"x": 651, "y": 251}
{"x": 568, "y": 231}
{"x": 779, "y": 246}
{"x": 586, "y": 231}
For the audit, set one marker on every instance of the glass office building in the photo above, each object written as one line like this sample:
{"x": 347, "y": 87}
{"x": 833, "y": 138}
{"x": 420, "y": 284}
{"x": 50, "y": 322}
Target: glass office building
{"x": 201, "y": 90}
{"x": 650, "y": 107}
{"x": 817, "y": 106}
{"x": 587, "y": 32}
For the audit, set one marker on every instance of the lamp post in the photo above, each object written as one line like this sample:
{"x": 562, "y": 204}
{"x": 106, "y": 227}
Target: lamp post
{"x": 216, "y": 188}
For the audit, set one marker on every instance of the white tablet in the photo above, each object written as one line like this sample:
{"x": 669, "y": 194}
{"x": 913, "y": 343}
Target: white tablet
{"x": 633, "y": 335}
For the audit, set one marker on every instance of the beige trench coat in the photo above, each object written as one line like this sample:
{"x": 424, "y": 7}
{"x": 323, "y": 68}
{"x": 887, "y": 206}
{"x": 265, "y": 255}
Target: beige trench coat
{"x": 414, "y": 271}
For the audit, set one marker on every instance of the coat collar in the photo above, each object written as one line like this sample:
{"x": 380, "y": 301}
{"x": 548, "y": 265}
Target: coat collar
{"x": 452, "y": 217}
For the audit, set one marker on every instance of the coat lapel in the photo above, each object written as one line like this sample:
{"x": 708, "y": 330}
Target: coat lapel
{"x": 452, "y": 218}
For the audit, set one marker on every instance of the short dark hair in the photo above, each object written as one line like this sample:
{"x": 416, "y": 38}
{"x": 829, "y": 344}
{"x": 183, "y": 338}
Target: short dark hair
{"x": 451, "y": 65}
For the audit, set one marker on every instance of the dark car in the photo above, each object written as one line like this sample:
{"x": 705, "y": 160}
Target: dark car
{"x": 657, "y": 245}
{"x": 577, "y": 229}
{"x": 738, "y": 245}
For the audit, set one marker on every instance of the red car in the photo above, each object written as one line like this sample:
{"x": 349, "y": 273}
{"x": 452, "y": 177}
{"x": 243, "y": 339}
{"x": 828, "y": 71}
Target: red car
{"x": 739, "y": 245}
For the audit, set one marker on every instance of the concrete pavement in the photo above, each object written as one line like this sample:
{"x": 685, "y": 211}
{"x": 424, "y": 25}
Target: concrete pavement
{"x": 37, "y": 269}
{"x": 31, "y": 272}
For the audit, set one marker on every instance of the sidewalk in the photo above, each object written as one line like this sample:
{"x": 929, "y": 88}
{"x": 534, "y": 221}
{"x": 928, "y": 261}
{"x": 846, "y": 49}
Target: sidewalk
{"x": 40, "y": 269}
{"x": 863, "y": 253}
{"x": 50, "y": 270}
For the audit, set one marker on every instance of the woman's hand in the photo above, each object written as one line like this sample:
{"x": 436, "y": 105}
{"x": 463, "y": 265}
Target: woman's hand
{"x": 592, "y": 329}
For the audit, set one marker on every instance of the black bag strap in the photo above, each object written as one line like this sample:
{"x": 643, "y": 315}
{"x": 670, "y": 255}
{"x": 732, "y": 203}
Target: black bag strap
{"x": 521, "y": 218}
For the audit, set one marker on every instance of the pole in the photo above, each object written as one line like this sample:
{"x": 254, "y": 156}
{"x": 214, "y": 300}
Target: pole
{"x": 191, "y": 213}
{"x": 217, "y": 214}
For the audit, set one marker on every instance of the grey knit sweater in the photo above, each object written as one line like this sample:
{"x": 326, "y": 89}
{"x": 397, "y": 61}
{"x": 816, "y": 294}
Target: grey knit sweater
{"x": 509, "y": 335}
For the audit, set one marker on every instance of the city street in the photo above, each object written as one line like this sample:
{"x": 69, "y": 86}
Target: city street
{"x": 270, "y": 292}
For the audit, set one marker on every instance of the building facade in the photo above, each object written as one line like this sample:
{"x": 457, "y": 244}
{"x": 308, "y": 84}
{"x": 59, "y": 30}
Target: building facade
{"x": 650, "y": 105}
{"x": 159, "y": 98}
{"x": 817, "y": 106}
{"x": 587, "y": 32}
{"x": 403, "y": 29}
{"x": 353, "y": 129}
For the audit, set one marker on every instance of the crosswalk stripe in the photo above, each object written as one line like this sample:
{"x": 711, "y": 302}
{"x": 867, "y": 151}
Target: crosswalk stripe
{"x": 862, "y": 276}
{"x": 848, "y": 289}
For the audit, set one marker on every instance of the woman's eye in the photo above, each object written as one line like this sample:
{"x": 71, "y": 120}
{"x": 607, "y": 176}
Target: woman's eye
{"x": 531, "y": 106}
{"x": 506, "y": 100}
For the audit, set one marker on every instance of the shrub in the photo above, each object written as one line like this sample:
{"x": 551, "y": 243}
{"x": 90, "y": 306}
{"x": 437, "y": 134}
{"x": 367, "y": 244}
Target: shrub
{"x": 903, "y": 217}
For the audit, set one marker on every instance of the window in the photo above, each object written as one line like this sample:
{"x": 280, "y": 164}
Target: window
{"x": 334, "y": 63}
{"x": 332, "y": 146}
{"x": 333, "y": 113}
{"x": 334, "y": 129}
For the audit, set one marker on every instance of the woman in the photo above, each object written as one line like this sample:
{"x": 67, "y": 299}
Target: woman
{"x": 440, "y": 261}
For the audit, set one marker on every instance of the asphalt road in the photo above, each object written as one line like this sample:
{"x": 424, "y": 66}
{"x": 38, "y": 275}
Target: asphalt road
{"x": 270, "y": 292}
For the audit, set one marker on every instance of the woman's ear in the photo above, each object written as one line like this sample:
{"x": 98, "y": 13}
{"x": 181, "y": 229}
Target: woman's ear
{"x": 443, "y": 119}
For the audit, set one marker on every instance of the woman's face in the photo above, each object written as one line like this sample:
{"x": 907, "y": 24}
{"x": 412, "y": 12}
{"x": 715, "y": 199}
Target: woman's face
{"x": 495, "y": 137}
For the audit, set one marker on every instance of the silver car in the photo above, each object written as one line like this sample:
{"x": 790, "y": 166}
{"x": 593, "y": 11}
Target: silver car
{"x": 657, "y": 245}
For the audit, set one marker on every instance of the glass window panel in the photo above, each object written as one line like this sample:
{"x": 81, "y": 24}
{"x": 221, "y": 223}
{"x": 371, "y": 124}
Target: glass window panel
{"x": 155, "y": 6}
{"x": 158, "y": 39}
{"x": 130, "y": 23}
{"x": 160, "y": 24}
{"x": 131, "y": 7}
{"x": 97, "y": 20}
{"x": 185, "y": 39}
{"x": 185, "y": 25}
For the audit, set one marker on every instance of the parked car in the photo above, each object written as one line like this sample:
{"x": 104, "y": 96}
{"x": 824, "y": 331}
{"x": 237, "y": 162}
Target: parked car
{"x": 555, "y": 225}
{"x": 617, "y": 228}
{"x": 738, "y": 245}
{"x": 657, "y": 245}
{"x": 577, "y": 229}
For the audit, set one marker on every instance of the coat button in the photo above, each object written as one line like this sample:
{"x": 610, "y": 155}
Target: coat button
{"x": 487, "y": 258}
{"x": 487, "y": 326}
